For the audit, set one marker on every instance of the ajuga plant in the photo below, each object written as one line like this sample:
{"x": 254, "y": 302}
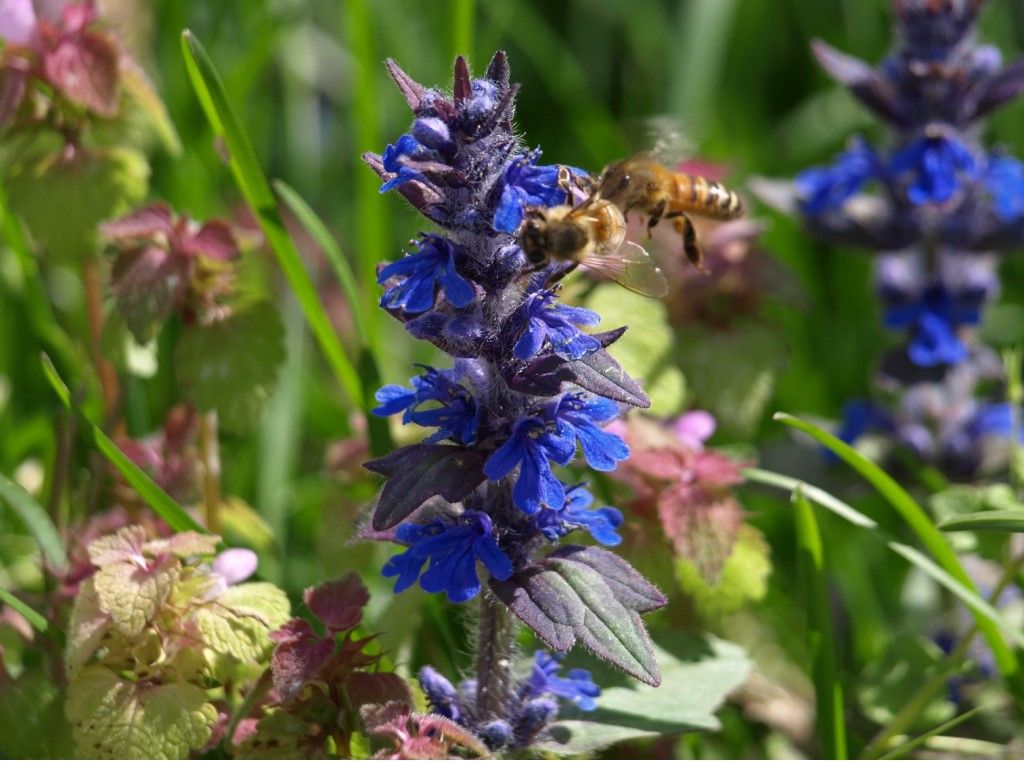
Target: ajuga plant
{"x": 478, "y": 504}
{"x": 937, "y": 206}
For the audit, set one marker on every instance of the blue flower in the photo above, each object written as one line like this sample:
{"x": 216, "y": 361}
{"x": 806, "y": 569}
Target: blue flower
{"x": 532, "y": 446}
{"x": 432, "y": 266}
{"x": 541, "y": 319}
{"x": 861, "y": 416}
{"x": 935, "y": 164}
{"x": 577, "y": 513}
{"x": 578, "y": 686}
{"x": 441, "y": 694}
{"x": 391, "y": 159}
{"x": 453, "y": 550}
{"x": 1004, "y": 178}
{"x": 456, "y": 417}
{"x": 579, "y": 416}
{"x": 934, "y": 318}
{"x": 526, "y": 184}
{"x": 825, "y": 188}
{"x": 994, "y": 419}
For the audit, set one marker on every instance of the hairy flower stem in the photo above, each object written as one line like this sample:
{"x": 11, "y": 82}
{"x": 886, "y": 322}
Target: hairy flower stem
{"x": 209, "y": 455}
{"x": 94, "y": 310}
{"x": 495, "y": 634}
{"x": 911, "y": 710}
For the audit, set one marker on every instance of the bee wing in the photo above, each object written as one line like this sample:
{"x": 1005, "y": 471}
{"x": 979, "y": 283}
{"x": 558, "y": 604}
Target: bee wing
{"x": 631, "y": 267}
{"x": 665, "y": 140}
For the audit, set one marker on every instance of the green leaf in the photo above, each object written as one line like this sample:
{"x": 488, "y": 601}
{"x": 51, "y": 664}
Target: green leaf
{"x": 132, "y": 595}
{"x": 813, "y": 493}
{"x": 114, "y": 718}
{"x": 369, "y": 373}
{"x": 731, "y": 373}
{"x": 63, "y": 199}
{"x": 237, "y": 623}
{"x": 890, "y": 681}
{"x": 32, "y": 721}
{"x": 699, "y": 674}
{"x": 647, "y": 354}
{"x": 36, "y": 520}
{"x": 988, "y": 520}
{"x": 155, "y": 497}
{"x": 230, "y": 366}
{"x": 742, "y": 580}
{"x": 246, "y": 169}
{"x": 933, "y": 540}
{"x": 910, "y": 745}
{"x": 828, "y": 690}
{"x": 36, "y": 619}
{"x": 981, "y": 609}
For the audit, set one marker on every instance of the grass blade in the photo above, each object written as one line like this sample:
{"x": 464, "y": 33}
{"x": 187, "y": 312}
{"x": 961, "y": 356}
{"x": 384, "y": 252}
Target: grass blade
{"x": 463, "y": 12}
{"x": 932, "y": 539}
{"x": 37, "y": 521}
{"x": 36, "y": 619}
{"x": 253, "y": 184}
{"x": 813, "y": 493}
{"x": 910, "y": 745}
{"x": 967, "y": 596}
{"x": 155, "y": 497}
{"x": 369, "y": 372}
{"x": 831, "y": 726}
{"x": 987, "y": 520}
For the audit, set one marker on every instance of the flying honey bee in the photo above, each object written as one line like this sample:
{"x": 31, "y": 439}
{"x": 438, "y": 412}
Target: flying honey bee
{"x": 592, "y": 234}
{"x": 642, "y": 183}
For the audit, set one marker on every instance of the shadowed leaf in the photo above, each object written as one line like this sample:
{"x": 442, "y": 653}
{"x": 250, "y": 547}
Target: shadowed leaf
{"x": 421, "y": 471}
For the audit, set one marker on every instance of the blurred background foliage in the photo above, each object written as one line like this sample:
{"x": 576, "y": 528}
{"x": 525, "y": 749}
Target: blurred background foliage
{"x": 307, "y": 79}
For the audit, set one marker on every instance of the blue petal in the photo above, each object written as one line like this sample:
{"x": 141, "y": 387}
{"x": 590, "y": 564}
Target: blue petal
{"x": 504, "y": 459}
{"x": 509, "y": 214}
{"x": 491, "y": 555}
{"x": 456, "y": 288}
{"x": 601, "y": 449}
{"x": 393, "y": 399}
{"x": 532, "y": 339}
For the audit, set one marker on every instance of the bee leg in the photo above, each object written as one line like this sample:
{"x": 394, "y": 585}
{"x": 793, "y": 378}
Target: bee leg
{"x": 691, "y": 246}
{"x": 656, "y": 214}
{"x": 565, "y": 180}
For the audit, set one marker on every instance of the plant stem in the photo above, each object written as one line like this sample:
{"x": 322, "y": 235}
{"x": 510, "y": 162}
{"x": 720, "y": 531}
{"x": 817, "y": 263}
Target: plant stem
{"x": 209, "y": 456}
{"x": 94, "y": 309}
{"x": 493, "y": 657}
{"x": 905, "y": 717}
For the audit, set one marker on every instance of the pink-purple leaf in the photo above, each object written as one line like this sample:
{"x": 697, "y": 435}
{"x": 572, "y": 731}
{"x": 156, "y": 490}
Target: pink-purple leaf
{"x": 338, "y": 604}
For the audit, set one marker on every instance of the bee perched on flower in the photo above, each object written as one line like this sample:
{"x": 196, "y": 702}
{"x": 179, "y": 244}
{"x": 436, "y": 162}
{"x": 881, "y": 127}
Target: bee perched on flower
{"x": 479, "y": 503}
{"x": 936, "y": 204}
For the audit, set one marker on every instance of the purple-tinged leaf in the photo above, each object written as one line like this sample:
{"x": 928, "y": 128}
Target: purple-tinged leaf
{"x": 148, "y": 284}
{"x": 498, "y": 70}
{"x": 411, "y": 90}
{"x": 602, "y": 375}
{"x": 863, "y": 81}
{"x": 626, "y": 583}
{"x": 85, "y": 68}
{"x": 338, "y": 604}
{"x": 462, "y": 85}
{"x": 143, "y": 223}
{"x": 421, "y": 471}
{"x": 541, "y": 376}
{"x": 997, "y": 90}
{"x": 365, "y": 688}
{"x": 213, "y": 240}
{"x": 12, "y": 91}
{"x": 566, "y": 601}
{"x": 298, "y": 657}
{"x": 536, "y": 597}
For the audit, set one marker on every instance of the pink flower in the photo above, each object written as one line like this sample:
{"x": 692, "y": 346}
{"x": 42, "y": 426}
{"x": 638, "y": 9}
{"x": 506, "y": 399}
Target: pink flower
{"x": 694, "y": 428}
{"x": 18, "y": 23}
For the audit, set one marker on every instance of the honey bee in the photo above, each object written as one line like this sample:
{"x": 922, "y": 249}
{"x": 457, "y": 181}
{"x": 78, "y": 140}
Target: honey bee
{"x": 641, "y": 183}
{"x": 592, "y": 234}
